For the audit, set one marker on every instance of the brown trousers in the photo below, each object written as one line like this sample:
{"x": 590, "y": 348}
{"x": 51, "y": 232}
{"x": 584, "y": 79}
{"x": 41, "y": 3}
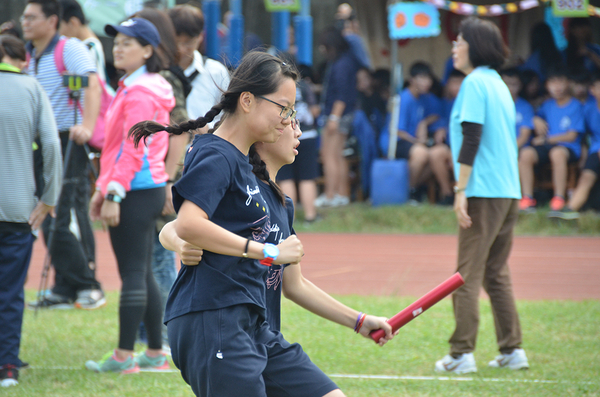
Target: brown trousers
{"x": 483, "y": 251}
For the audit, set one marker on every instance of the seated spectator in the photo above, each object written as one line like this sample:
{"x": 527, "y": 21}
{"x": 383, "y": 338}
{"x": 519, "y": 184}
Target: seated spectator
{"x": 525, "y": 112}
{"x": 370, "y": 100}
{"x": 381, "y": 83}
{"x": 532, "y": 91}
{"x": 579, "y": 86}
{"x": 411, "y": 146}
{"x": 440, "y": 157}
{"x": 591, "y": 169}
{"x": 558, "y": 129}
{"x": 581, "y": 54}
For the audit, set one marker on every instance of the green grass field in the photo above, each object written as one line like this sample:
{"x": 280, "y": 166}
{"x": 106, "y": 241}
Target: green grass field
{"x": 433, "y": 219}
{"x": 561, "y": 340}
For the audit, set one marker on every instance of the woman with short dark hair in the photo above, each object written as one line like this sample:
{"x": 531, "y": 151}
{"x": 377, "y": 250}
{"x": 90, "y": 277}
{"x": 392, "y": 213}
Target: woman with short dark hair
{"x": 487, "y": 193}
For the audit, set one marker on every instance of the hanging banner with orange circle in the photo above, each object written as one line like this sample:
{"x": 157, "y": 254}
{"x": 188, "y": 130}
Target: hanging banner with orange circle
{"x": 413, "y": 20}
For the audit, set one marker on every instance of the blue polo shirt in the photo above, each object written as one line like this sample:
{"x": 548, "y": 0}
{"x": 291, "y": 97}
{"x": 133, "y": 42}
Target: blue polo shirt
{"x": 592, "y": 123}
{"x": 218, "y": 178}
{"x": 484, "y": 99}
{"x": 562, "y": 119}
{"x": 524, "y": 115}
{"x": 412, "y": 111}
{"x": 77, "y": 60}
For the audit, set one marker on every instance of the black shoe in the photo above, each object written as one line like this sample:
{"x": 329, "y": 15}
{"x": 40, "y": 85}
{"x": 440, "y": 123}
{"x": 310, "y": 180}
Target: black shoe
{"x": 52, "y": 301}
{"x": 23, "y": 365}
{"x": 9, "y": 375}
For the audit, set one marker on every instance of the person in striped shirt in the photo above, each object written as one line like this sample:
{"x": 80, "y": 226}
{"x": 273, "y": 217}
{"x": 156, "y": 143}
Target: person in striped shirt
{"x": 73, "y": 251}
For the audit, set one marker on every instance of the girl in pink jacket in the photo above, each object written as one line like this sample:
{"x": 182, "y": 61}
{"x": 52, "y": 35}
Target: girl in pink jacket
{"x": 130, "y": 191}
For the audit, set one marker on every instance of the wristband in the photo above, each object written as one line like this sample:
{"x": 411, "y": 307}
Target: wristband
{"x": 245, "y": 254}
{"x": 360, "y": 323}
{"x": 457, "y": 190}
{"x": 357, "y": 320}
{"x": 333, "y": 117}
{"x": 270, "y": 252}
{"x": 115, "y": 198}
{"x": 170, "y": 181}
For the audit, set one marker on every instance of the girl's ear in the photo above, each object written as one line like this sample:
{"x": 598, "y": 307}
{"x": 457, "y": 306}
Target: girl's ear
{"x": 246, "y": 101}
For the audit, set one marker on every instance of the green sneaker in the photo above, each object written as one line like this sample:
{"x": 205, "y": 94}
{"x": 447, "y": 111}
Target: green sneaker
{"x": 110, "y": 363}
{"x": 158, "y": 363}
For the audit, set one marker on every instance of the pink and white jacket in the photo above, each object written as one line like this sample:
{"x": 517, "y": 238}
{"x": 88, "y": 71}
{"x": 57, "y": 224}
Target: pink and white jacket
{"x": 141, "y": 96}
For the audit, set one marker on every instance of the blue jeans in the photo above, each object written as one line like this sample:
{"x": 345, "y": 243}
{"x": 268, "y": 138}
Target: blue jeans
{"x": 163, "y": 267}
{"x": 15, "y": 255}
{"x": 165, "y": 273}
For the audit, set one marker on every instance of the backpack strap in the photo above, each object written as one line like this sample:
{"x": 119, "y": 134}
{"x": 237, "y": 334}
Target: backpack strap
{"x": 59, "y": 60}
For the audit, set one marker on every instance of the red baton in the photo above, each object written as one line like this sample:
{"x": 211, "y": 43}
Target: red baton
{"x": 421, "y": 304}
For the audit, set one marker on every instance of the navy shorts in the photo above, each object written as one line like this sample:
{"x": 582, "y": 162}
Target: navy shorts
{"x": 543, "y": 152}
{"x": 593, "y": 163}
{"x": 403, "y": 149}
{"x": 231, "y": 352}
{"x": 306, "y": 166}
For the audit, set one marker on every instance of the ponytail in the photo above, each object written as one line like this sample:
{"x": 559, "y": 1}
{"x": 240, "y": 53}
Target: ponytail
{"x": 259, "y": 168}
{"x": 144, "y": 129}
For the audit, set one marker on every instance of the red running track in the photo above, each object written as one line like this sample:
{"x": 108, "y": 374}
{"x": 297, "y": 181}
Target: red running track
{"x": 410, "y": 265}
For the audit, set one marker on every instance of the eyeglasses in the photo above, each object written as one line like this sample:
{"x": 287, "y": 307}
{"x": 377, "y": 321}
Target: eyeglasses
{"x": 286, "y": 111}
{"x": 295, "y": 124}
{"x": 28, "y": 18}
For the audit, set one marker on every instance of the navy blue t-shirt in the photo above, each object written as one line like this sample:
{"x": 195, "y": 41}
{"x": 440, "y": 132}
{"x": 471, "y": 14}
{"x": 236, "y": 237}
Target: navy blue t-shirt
{"x": 281, "y": 228}
{"x": 218, "y": 178}
{"x": 340, "y": 84}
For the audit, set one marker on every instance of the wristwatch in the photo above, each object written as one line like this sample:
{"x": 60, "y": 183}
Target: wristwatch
{"x": 270, "y": 252}
{"x": 113, "y": 197}
{"x": 457, "y": 190}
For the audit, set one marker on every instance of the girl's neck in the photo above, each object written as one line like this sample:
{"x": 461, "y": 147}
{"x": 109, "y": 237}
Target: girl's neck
{"x": 234, "y": 131}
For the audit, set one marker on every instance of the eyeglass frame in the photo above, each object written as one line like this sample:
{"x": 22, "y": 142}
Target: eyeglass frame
{"x": 30, "y": 18}
{"x": 292, "y": 115}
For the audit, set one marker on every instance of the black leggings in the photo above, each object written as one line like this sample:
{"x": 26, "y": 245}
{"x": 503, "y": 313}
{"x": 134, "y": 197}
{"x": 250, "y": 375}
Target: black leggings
{"x": 133, "y": 241}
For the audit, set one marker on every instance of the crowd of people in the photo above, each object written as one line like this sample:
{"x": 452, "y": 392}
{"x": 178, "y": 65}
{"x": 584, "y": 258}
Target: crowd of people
{"x": 236, "y": 135}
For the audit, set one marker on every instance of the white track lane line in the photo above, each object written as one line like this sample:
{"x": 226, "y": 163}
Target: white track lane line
{"x": 373, "y": 377}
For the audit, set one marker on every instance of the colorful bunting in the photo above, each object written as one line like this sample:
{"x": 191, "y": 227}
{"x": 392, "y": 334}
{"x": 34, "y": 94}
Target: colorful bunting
{"x": 496, "y": 9}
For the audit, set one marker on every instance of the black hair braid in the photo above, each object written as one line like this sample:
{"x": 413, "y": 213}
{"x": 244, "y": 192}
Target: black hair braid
{"x": 144, "y": 129}
{"x": 259, "y": 168}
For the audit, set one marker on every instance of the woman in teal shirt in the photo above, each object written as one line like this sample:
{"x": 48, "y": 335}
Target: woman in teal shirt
{"x": 487, "y": 192}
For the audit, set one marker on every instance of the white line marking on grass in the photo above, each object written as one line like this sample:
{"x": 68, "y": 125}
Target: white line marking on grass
{"x": 58, "y": 367}
{"x": 451, "y": 378}
{"x": 373, "y": 377}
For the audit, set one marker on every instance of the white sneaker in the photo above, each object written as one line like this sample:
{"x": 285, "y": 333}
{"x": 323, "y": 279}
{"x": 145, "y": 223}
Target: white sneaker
{"x": 323, "y": 201}
{"x": 462, "y": 365}
{"x": 339, "y": 201}
{"x": 516, "y": 360}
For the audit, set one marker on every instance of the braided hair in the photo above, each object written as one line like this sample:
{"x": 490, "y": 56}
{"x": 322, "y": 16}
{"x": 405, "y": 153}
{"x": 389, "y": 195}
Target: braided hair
{"x": 259, "y": 73}
{"x": 259, "y": 168}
